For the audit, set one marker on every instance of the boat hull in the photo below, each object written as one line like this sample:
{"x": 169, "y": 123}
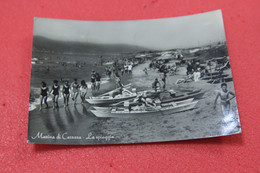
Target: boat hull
{"x": 196, "y": 95}
{"x": 164, "y": 104}
{"x": 122, "y": 114}
{"x": 107, "y": 101}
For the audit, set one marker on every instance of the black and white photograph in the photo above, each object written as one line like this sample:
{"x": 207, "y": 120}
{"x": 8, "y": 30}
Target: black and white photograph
{"x": 136, "y": 81}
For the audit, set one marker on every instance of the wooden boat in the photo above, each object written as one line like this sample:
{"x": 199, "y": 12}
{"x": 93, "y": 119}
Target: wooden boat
{"x": 196, "y": 94}
{"x": 214, "y": 77}
{"x": 109, "y": 98}
{"x": 145, "y": 111}
{"x": 164, "y": 104}
{"x": 216, "y": 81}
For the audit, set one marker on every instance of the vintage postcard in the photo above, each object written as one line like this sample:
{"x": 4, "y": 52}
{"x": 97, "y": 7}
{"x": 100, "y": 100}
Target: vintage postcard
{"x": 111, "y": 82}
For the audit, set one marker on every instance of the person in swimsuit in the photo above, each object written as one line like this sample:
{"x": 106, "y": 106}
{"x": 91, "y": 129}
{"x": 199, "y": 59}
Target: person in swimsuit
{"x": 145, "y": 71}
{"x": 66, "y": 93}
{"x": 118, "y": 81}
{"x": 156, "y": 84}
{"x": 98, "y": 81}
{"x": 224, "y": 98}
{"x": 109, "y": 72}
{"x": 83, "y": 91}
{"x": 44, "y": 95}
{"x": 122, "y": 69}
{"x": 75, "y": 90}
{"x": 130, "y": 66}
{"x": 93, "y": 80}
{"x": 164, "y": 79}
{"x": 55, "y": 92}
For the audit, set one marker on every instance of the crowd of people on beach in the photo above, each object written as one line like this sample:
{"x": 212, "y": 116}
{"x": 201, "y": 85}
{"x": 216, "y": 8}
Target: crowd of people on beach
{"x": 116, "y": 68}
{"x": 194, "y": 71}
{"x": 162, "y": 67}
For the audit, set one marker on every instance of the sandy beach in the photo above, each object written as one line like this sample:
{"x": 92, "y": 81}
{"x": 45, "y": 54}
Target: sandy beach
{"x": 78, "y": 122}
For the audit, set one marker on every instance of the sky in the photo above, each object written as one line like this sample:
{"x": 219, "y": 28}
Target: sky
{"x": 156, "y": 34}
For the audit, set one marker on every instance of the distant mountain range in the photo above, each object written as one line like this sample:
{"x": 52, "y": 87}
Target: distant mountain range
{"x": 48, "y": 45}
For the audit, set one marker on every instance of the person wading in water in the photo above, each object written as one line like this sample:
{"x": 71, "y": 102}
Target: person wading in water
{"x": 75, "y": 89}
{"x": 44, "y": 95}
{"x": 66, "y": 93}
{"x": 55, "y": 91}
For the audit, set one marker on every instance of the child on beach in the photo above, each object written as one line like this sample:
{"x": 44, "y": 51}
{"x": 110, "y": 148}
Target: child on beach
{"x": 75, "y": 89}
{"x": 44, "y": 95}
{"x": 66, "y": 93}
{"x": 55, "y": 92}
{"x": 83, "y": 91}
{"x": 224, "y": 98}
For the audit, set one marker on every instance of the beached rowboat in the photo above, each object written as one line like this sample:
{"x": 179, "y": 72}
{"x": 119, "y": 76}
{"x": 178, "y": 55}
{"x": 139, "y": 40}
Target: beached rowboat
{"x": 148, "y": 111}
{"x": 163, "y": 105}
{"x": 196, "y": 94}
{"x": 214, "y": 77}
{"x": 110, "y": 97}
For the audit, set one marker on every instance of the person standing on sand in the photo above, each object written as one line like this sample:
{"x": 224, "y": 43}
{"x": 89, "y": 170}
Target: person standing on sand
{"x": 196, "y": 75}
{"x": 224, "y": 98}
{"x": 55, "y": 91}
{"x": 122, "y": 69}
{"x": 93, "y": 82}
{"x": 44, "y": 95}
{"x": 145, "y": 71}
{"x": 98, "y": 81}
{"x": 75, "y": 90}
{"x": 156, "y": 84}
{"x": 126, "y": 67}
{"x": 118, "y": 81}
{"x": 83, "y": 91}
{"x": 130, "y": 66}
{"x": 164, "y": 79}
{"x": 109, "y": 72}
{"x": 66, "y": 93}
